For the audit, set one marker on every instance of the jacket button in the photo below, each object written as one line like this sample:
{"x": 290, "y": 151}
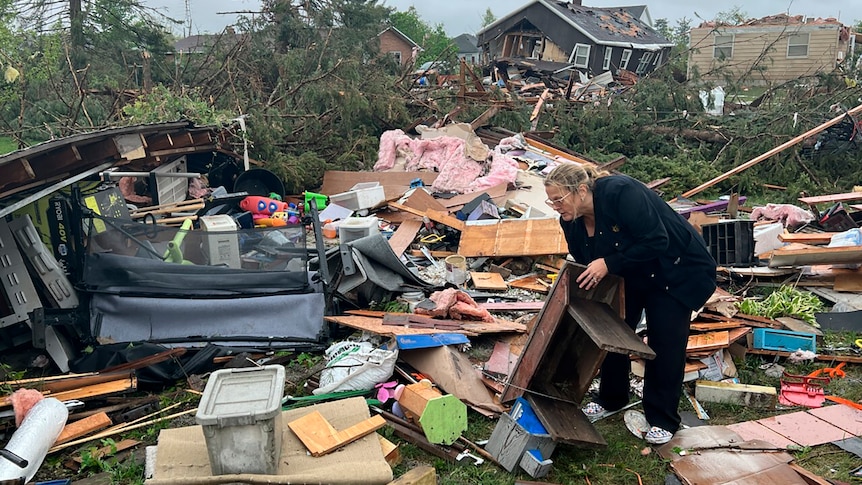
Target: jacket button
{"x": 652, "y": 275}
{"x": 617, "y": 244}
{"x": 667, "y": 288}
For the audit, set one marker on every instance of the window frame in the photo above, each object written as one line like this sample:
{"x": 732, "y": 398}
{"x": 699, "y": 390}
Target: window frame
{"x": 397, "y": 56}
{"x": 606, "y": 62}
{"x": 807, "y": 45}
{"x": 626, "y": 57}
{"x": 574, "y": 57}
{"x": 718, "y": 48}
{"x": 644, "y": 61}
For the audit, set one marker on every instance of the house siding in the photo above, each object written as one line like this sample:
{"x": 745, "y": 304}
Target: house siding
{"x": 391, "y": 42}
{"x": 765, "y": 49}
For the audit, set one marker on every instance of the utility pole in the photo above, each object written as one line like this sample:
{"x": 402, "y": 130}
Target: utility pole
{"x": 189, "y": 17}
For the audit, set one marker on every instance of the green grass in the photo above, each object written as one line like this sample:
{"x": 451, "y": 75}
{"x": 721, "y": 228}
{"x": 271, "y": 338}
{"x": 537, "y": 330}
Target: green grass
{"x": 622, "y": 462}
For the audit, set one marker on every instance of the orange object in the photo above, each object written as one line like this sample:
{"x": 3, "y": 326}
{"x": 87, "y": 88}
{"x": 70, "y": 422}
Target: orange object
{"x": 263, "y": 205}
{"x": 846, "y": 402}
{"x": 833, "y": 372}
{"x": 270, "y": 222}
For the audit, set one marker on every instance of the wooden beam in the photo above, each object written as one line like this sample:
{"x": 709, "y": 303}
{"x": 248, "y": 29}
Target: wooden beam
{"x": 421, "y": 475}
{"x": 780, "y": 148}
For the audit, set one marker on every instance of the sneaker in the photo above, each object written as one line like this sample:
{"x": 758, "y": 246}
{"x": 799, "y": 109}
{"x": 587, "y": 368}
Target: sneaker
{"x": 658, "y": 436}
{"x": 594, "y": 411}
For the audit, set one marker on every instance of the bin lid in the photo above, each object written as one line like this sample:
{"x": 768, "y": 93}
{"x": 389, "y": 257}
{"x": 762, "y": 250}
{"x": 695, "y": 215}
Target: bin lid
{"x": 241, "y": 396}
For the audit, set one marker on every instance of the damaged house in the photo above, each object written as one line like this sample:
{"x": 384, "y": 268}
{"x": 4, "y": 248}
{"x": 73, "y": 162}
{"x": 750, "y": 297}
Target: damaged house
{"x": 769, "y": 50}
{"x": 567, "y": 34}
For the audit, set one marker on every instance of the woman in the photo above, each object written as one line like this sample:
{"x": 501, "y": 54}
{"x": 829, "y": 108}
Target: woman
{"x": 615, "y": 224}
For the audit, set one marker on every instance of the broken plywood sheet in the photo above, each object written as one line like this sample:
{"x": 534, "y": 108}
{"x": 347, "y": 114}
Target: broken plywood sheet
{"x": 532, "y": 283}
{"x": 752, "y": 430}
{"x": 423, "y": 201}
{"x": 495, "y": 192}
{"x": 717, "y": 458}
{"x": 513, "y": 237}
{"x": 800, "y": 256}
{"x": 375, "y": 325}
{"x": 708, "y": 341}
{"x": 849, "y": 282}
{"x": 403, "y": 237}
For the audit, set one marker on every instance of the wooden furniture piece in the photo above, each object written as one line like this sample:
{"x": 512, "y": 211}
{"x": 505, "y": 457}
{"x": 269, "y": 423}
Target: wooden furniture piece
{"x": 573, "y": 333}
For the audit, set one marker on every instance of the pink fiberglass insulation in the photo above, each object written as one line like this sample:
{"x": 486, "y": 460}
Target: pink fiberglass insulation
{"x": 22, "y": 401}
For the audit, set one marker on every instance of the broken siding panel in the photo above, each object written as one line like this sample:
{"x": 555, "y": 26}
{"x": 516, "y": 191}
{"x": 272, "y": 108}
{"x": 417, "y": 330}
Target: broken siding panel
{"x": 552, "y": 52}
{"x": 750, "y": 43}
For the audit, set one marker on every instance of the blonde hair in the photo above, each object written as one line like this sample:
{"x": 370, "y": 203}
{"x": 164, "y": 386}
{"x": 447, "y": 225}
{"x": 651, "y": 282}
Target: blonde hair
{"x": 571, "y": 175}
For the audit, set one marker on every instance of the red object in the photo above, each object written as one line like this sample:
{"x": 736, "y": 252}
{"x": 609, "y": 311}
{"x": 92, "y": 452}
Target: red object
{"x": 263, "y": 205}
{"x": 802, "y": 390}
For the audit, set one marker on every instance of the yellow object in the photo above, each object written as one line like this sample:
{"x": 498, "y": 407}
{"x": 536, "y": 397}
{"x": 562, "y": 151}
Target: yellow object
{"x": 11, "y": 74}
{"x": 553, "y": 277}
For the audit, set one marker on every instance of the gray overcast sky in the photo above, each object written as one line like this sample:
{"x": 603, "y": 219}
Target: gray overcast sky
{"x": 459, "y": 16}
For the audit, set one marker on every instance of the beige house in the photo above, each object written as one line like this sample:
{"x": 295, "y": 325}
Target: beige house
{"x": 769, "y": 50}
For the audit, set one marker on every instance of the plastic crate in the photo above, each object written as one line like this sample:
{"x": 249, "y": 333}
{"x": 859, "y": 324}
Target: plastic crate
{"x": 364, "y": 195}
{"x": 240, "y": 413}
{"x": 516, "y": 433}
{"x": 354, "y": 228}
{"x": 730, "y": 242}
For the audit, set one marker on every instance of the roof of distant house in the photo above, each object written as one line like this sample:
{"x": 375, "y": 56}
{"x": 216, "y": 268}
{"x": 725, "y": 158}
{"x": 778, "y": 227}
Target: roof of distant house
{"x": 466, "y": 43}
{"x": 607, "y": 26}
{"x": 400, "y": 34}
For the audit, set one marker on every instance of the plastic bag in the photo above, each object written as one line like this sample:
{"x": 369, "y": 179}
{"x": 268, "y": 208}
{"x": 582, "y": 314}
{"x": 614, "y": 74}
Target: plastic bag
{"x": 355, "y": 366}
{"x": 851, "y": 237}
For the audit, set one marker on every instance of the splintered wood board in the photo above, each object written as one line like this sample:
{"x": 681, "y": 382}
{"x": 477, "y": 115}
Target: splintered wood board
{"x": 708, "y": 341}
{"x": 320, "y": 437}
{"x": 805, "y": 238}
{"x": 851, "y": 282}
{"x": 513, "y": 237}
{"x": 488, "y": 281}
{"x": 822, "y": 199}
{"x": 83, "y": 427}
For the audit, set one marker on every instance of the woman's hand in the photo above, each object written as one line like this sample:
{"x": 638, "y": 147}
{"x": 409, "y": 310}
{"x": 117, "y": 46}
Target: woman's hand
{"x": 594, "y": 273}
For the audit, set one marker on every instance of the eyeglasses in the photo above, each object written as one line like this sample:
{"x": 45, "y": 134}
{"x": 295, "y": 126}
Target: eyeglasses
{"x": 556, "y": 202}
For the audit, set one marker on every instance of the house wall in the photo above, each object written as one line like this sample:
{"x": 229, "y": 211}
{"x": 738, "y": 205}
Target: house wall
{"x": 765, "y": 48}
{"x": 391, "y": 42}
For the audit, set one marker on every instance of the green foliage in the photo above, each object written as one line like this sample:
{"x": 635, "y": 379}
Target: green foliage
{"x": 436, "y": 45}
{"x": 488, "y": 17}
{"x": 308, "y": 360}
{"x": 787, "y": 301}
{"x": 161, "y": 105}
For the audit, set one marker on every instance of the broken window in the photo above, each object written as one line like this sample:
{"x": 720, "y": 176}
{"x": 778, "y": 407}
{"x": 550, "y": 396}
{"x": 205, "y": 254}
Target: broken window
{"x": 606, "y": 64}
{"x": 624, "y": 62}
{"x": 646, "y": 58}
{"x": 581, "y": 55}
{"x": 797, "y": 45}
{"x": 723, "y": 48}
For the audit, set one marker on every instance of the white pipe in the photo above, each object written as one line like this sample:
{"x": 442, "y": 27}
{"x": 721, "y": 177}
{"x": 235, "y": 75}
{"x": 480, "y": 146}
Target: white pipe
{"x": 32, "y": 440}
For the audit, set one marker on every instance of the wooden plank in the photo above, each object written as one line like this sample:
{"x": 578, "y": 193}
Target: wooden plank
{"x": 713, "y": 326}
{"x": 83, "y": 427}
{"x": 606, "y": 329}
{"x": 423, "y": 201}
{"x": 531, "y": 283}
{"x": 404, "y": 235}
{"x": 421, "y": 475}
{"x": 565, "y": 422}
{"x": 708, "y": 341}
{"x": 391, "y": 452}
{"x": 119, "y": 385}
{"x": 514, "y": 306}
{"x": 832, "y": 358}
{"x": 488, "y": 281}
{"x": 513, "y": 237}
{"x": 320, "y": 437}
{"x": 443, "y": 217}
{"x": 804, "y": 238}
{"x": 831, "y": 198}
{"x": 815, "y": 255}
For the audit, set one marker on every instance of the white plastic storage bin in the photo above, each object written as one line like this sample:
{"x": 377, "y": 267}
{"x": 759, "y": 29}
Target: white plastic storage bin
{"x": 364, "y": 195}
{"x": 354, "y": 228}
{"x": 240, "y": 412}
{"x": 221, "y": 245}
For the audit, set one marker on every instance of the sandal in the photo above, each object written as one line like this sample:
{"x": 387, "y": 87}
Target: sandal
{"x": 658, "y": 436}
{"x": 594, "y": 411}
